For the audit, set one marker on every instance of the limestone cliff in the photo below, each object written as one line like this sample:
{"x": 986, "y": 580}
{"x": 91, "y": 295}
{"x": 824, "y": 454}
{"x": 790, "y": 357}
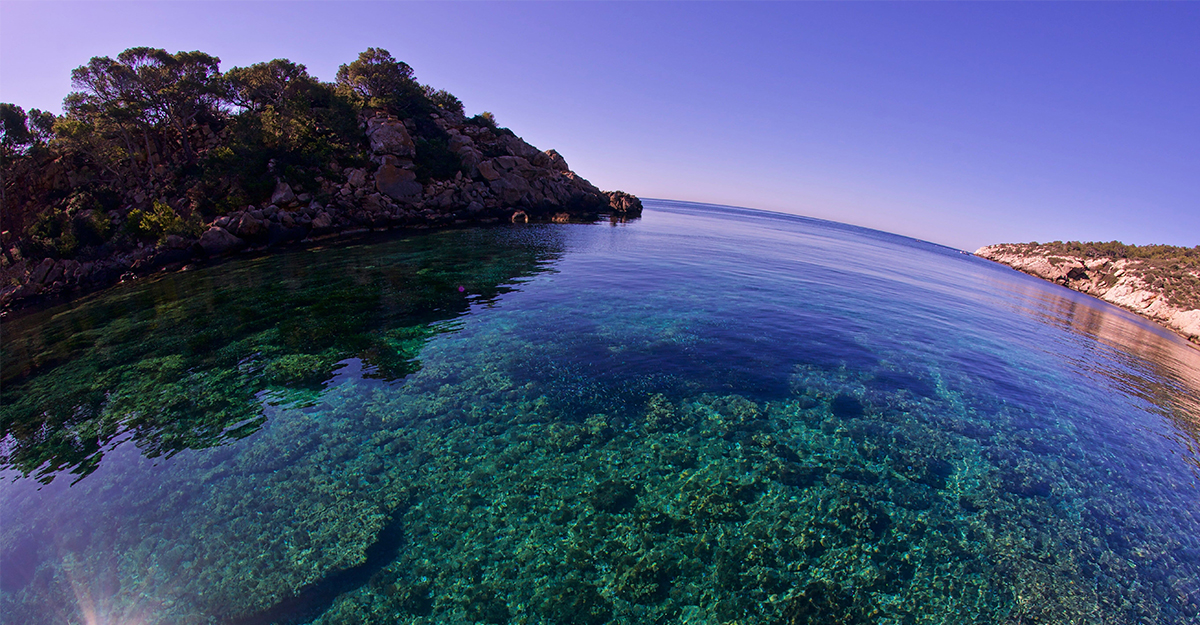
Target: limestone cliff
{"x": 1164, "y": 290}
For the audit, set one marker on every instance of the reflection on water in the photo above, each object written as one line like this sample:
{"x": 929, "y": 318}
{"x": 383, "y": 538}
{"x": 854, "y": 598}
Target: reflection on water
{"x": 710, "y": 415}
{"x": 186, "y": 361}
{"x": 1138, "y": 358}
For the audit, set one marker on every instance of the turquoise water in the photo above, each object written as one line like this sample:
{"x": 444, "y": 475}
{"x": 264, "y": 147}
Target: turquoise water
{"x": 709, "y": 415}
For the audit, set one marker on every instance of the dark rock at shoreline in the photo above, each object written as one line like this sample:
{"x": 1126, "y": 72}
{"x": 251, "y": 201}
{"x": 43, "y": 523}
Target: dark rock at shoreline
{"x": 397, "y": 183}
{"x": 217, "y": 241}
{"x": 624, "y": 203}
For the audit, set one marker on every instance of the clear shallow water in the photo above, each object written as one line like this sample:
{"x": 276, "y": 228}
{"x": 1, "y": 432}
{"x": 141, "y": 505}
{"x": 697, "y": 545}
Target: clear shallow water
{"x": 705, "y": 416}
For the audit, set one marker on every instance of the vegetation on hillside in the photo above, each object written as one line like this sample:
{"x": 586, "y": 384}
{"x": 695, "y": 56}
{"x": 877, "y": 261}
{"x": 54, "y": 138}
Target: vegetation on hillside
{"x": 153, "y": 143}
{"x": 1189, "y": 256}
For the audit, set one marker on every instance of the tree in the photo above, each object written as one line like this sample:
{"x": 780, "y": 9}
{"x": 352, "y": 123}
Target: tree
{"x": 178, "y": 88}
{"x": 444, "y": 100}
{"x": 279, "y": 83}
{"x": 377, "y": 79}
{"x": 144, "y": 91}
{"x": 41, "y": 126}
{"x": 14, "y": 131}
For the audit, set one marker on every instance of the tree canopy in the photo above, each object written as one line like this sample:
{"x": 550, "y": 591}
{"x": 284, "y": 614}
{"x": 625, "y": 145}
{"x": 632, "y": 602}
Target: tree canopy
{"x": 169, "y": 135}
{"x": 377, "y": 79}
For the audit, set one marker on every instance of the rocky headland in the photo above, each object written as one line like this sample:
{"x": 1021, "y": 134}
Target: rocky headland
{"x": 1159, "y": 282}
{"x": 250, "y": 160}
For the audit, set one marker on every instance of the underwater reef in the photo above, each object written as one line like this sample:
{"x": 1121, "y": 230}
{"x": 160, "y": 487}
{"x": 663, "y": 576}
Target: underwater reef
{"x": 473, "y": 426}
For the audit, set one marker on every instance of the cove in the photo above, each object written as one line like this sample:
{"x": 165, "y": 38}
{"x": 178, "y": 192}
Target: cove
{"x": 706, "y": 415}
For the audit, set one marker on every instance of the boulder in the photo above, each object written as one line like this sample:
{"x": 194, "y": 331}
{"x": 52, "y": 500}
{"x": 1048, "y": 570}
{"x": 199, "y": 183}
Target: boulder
{"x": 397, "y": 183}
{"x": 283, "y": 194}
{"x": 39, "y": 272}
{"x": 373, "y": 203}
{"x": 488, "y": 170}
{"x": 55, "y": 273}
{"x": 624, "y": 203}
{"x": 471, "y": 158}
{"x": 516, "y": 146}
{"x": 511, "y": 188}
{"x": 395, "y": 161}
{"x": 389, "y": 136}
{"x": 176, "y": 242}
{"x": 217, "y": 241}
{"x": 248, "y": 226}
{"x": 458, "y": 141}
{"x": 356, "y": 177}
{"x": 322, "y": 221}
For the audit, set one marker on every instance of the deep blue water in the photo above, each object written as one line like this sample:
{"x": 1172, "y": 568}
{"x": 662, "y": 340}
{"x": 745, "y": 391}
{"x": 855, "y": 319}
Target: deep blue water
{"x": 707, "y": 415}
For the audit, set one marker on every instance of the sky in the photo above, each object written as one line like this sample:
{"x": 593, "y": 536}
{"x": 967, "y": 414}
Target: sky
{"x": 963, "y": 124}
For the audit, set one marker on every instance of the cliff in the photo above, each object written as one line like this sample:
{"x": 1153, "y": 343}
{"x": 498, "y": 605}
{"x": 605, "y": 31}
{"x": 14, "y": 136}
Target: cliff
{"x": 1157, "y": 282}
{"x": 160, "y": 160}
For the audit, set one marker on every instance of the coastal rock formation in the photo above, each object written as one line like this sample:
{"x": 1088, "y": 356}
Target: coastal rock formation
{"x": 265, "y": 155}
{"x": 624, "y": 203}
{"x": 498, "y": 178}
{"x": 1166, "y": 294}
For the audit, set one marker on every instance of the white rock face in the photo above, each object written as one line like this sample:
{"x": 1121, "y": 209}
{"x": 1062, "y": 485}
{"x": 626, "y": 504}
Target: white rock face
{"x": 1112, "y": 280}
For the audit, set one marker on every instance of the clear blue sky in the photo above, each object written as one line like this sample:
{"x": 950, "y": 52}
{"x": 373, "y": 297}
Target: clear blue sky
{"x": 958, "y": 123}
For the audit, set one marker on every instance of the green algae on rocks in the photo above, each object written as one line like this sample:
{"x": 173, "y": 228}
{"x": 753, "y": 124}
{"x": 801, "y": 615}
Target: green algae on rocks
{"x": 626, "y": 431}
{"x": 187, "y": 362}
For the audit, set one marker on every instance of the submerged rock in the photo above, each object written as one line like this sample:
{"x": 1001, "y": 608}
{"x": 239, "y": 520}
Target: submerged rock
{"x": 614, "y": 496}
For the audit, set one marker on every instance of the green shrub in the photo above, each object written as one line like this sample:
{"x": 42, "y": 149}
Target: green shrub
{"x": 57, "y": 233}
{"x": 158, "y": 222}
{"x": 484, "y": 120}
{"x": 434, "y": 160}
{"x": 444, "y": 100}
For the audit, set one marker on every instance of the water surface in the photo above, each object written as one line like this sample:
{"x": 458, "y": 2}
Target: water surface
{"x": 707, "y": 415}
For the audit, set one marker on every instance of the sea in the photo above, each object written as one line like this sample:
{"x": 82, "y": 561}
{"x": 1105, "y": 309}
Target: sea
{"x": 708, "y": 415}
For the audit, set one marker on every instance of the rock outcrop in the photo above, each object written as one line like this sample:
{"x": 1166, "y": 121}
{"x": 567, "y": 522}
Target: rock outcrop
{"x": 623, "y": 203}
{"x": 389, "y": 136}
{"x": 498, "y": 178}
{"x": 1134, "y": 284}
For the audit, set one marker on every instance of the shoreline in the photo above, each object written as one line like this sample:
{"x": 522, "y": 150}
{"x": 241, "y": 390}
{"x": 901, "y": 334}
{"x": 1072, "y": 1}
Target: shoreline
{"x": 1115, "y": 281}
{"x": 150, "y": 261}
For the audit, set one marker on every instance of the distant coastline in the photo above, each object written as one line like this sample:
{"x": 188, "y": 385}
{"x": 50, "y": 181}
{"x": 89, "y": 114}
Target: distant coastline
{"x": 161, "y": 160}
{"x": 1159, "y": 282}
